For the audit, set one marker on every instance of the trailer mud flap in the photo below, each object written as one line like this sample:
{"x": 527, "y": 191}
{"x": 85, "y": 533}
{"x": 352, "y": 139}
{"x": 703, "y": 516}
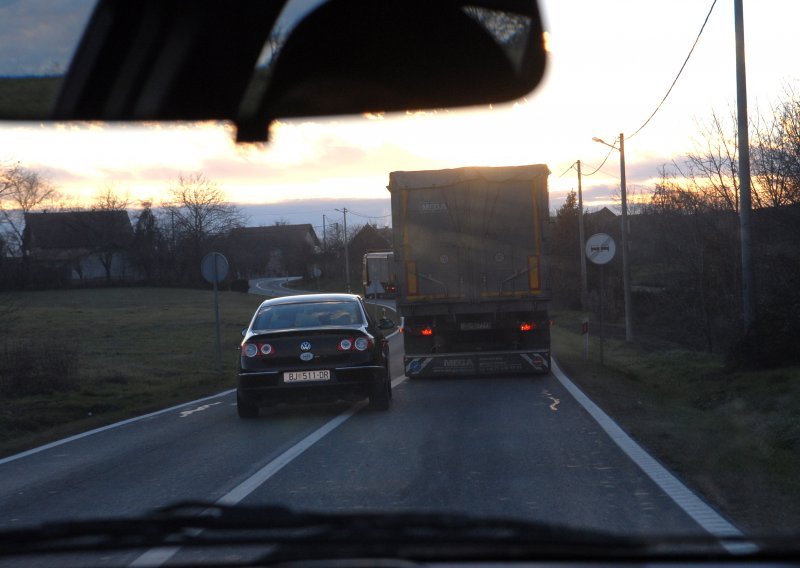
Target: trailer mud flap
{"x": 461, "y": 364}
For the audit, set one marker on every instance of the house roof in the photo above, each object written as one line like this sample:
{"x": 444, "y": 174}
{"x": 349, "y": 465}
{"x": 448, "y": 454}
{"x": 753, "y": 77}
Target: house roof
{"x": 370, "y": 237}
{"x": 276, "y": 234}
{"x": 77, "y": 230}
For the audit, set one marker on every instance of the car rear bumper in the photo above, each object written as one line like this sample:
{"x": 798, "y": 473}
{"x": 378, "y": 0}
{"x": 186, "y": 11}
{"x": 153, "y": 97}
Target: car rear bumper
{"x": 346, "y": 383}
{"x": 478, "y": 363}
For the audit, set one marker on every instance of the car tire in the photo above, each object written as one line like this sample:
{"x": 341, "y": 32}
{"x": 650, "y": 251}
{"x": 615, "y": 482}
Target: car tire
{"x": 381, "y": 394}
{"x": 246, "y": 410}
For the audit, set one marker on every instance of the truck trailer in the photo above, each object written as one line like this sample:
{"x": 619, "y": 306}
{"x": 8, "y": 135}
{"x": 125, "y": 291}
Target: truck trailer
{"x": 471, "y": 257}
{"x": 379, "y": 275}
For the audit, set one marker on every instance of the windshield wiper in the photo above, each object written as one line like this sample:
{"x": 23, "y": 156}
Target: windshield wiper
{"x": 292, "y": 535}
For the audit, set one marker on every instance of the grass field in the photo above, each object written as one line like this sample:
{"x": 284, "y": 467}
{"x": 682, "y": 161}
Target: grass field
{"x": 131, "y": 350}
{"x": 103, "y": 355}
{"x": 734, "y": 436}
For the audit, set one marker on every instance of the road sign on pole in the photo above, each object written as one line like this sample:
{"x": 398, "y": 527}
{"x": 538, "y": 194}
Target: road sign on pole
{"x": 600, "y": 249}
{"x": 214, "y": 268}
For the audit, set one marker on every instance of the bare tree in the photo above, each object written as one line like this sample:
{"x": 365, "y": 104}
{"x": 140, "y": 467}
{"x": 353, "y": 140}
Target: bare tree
{"x": 695, "y": 235}
{"x": 776, "y": 154}
{"x": 109, "y": 199}
{"x": 197, "y": 214}
{"x": 21, "y": 190}
{"x": 712, "y": 169}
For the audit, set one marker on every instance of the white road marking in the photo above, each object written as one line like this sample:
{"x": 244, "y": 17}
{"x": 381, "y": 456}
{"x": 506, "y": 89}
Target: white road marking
{"x": 160, "y": 556}
{"x": 556, "y": 401}
{"x": 186, "y": 413}
{"x": 109, "y": 427}
{"x": 702, "y": 513}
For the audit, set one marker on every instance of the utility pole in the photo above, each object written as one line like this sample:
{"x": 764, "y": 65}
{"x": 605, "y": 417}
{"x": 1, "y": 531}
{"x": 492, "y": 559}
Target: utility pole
{"x": 582, "y": 238}
{"x": 626, "y": 269}
{"x": 748, "y": 279}
{"x": 346, "y": 250}
{"x": 626, "y": 266}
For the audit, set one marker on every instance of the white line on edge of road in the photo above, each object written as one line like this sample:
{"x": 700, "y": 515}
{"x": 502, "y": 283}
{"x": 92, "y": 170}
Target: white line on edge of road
{"x": 159, "y": 556}
{"x": 685, "y": 498}
{"x": 38, "y": 449}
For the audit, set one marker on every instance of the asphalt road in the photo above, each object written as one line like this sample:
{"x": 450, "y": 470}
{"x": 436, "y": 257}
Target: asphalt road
{"x": 521, "y": 447}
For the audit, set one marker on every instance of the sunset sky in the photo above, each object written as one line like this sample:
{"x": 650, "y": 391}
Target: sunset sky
{"x": 611, "y": 62}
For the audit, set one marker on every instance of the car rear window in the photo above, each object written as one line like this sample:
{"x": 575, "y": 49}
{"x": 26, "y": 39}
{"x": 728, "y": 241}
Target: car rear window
{"x": 308, "y": 315}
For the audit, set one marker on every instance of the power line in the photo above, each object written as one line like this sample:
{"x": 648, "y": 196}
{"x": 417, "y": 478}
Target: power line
{"x": 368, "y": 216}
{"x": 697, "y": 39}
{"x": 597, "y": 169}
{"x": 571, "y": 167}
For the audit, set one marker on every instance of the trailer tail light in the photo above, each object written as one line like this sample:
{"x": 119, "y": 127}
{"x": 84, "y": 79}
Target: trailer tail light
{"x": 250, "y": 350}
{"x": 525, "y": 326}
{"x": 427, "y": 331}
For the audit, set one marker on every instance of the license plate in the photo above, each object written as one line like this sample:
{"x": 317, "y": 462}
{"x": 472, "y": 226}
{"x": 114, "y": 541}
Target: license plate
{"x": 302, "y": 376}
{"x": 475, "y": 325}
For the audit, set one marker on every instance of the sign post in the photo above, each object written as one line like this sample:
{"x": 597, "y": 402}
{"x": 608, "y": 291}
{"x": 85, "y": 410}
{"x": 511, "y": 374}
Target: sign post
{"x": 214, "y": 268}
{"x": 600, "y": 249}
{"x": 585, "y": 334}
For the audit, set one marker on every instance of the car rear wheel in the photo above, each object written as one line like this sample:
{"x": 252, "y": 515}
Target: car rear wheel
{"x": 381, "y": 394}
{"x": 245, "y": 409}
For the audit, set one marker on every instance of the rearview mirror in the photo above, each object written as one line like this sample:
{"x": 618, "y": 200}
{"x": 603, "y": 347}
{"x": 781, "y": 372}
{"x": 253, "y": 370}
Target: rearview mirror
{"x": 242, "y": 61}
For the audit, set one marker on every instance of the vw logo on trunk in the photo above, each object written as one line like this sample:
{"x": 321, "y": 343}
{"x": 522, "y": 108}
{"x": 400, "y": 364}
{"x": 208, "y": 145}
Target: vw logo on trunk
{"x": 305, "y": 346}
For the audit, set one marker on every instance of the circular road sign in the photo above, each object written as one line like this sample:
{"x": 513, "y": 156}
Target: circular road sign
{"x": 214, "y": 267}
{"x": 600, "y": 248}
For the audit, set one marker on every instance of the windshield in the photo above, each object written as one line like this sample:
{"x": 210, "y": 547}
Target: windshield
{"x": 588, "y": 297}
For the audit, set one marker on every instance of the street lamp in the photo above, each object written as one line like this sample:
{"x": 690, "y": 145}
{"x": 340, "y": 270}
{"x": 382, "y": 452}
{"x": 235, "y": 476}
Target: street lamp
{"x": 626, "y": 270}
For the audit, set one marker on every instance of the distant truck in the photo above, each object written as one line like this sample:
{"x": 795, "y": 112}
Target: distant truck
{"x": 471, "y": 255}
{"x": 379, "y": 277}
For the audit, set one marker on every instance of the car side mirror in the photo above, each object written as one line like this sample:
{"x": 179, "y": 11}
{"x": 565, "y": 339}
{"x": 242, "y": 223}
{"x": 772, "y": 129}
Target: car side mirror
{"x": 385, "y": 323}
{"x": 244, "y": 331}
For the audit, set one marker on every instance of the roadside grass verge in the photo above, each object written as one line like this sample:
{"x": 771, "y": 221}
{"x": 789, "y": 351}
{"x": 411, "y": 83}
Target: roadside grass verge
{"x": 734, "y": 437}
{"x": 130, "y": 350}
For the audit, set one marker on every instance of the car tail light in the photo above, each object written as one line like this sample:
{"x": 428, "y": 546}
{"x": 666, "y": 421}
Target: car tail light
{"x": 266, "y": 349}
{"x": 345, "y": 345}
{"x": 361, "y": 344}
{"x": 250, "y": 350}
{"x": 427, "y": 331}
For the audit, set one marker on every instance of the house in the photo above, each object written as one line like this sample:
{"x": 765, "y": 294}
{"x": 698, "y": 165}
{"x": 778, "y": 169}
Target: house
{"x": 368, "y": 238}
{"x": 602, "y": 221}
{"x": 276, "y": 250}
{"x": 89, "y": 245}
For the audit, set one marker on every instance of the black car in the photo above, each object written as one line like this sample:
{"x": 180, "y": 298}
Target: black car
{"x": 312, "y": 348}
